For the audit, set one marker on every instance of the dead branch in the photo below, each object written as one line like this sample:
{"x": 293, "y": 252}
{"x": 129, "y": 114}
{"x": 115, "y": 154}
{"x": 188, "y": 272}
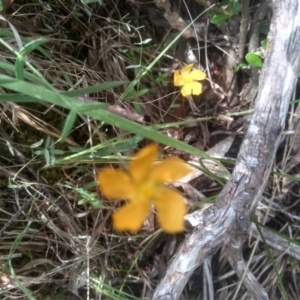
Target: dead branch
{"x": 230, "y": 217}
{"x": 243, "y": 29}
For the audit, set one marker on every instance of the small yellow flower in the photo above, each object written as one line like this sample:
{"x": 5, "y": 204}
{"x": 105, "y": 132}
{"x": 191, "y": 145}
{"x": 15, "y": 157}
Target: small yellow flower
{"x": 143, "y": 185}
{"x": 187, "y": 78}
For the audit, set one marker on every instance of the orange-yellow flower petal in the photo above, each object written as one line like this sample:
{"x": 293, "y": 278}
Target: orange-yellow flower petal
{"x": 178, "y": 80}
{"x": 196, "y": 88}
{"x": 116, "y": 184}
{"x": 142, "y": 164}
{"x": 185, "y": 71}
{"x": 171, "y": 169}
{"x": 131, "y": 216}
{"x": 171, "y": 210}
{"x": 197, "y": 75}
{"x": 187, "y": 89}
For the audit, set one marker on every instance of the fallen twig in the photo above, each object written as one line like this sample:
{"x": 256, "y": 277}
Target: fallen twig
{"x": 230, "y": 216}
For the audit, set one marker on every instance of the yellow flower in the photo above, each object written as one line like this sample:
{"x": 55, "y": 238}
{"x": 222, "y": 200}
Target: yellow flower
{"x": 143, "y": 185}
{"x": 187, "y": 79}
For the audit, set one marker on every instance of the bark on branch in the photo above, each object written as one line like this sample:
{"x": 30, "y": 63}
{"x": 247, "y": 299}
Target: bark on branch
{"x": 230, "y": 217}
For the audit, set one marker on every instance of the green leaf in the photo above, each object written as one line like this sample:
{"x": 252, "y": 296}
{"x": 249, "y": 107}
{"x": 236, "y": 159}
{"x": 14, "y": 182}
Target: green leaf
{"x": 239, "y": 67}
{"x": 138, "y": 94}
{"x": 264, "y": 44}
{"x": 8, "y": 33}
{"x": 95, "y": 88}
{"x": 75, "y": 149}
{"x": 47, "y": 157}
{"x": 254, "y": 60}
{"x": 126, "y": 145}
{"x": 235, "y": 7}
{"x": 39, "y": 152}
{"x": 37, "y": 144}
{"x": 10, "y": 148}
{"x": 264, "y": 29}
{"x": 27, "y": 75}
{"x": 217, "y": 19}
{"x": 57, "y": 152}
{"x": 48, "y": 142}
{"x": 69, "y": 123}
{"x": 146, "y": 41}
{"x": 90, "y": 106}
{"x": 91, "y": 1}
{"x": 133, "y": 67}
{"x": 19, "y": 70}
{"x": 33, "y": 45}
{"x": 20, "y": 61}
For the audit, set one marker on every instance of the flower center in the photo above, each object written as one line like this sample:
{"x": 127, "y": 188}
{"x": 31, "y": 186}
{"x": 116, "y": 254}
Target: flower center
{"x": 187, "y": 80}
{"x": 147, "y": 190}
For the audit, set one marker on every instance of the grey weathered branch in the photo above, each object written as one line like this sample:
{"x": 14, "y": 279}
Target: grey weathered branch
{"x": 238, "y": 200}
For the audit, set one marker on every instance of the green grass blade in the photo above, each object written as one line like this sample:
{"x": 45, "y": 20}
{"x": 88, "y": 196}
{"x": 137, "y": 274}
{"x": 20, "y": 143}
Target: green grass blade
{"x": 25, "y": 50}
{"x": 69, "y": 123}
{"x": 12, "y": 251}
{"x": 95, "y": 88}
{"x": 19, "y": 69}
{"x": 27, "y": 75}
{"x": 8, "y": 33}
{"x": 281, "y": 286}
{"x": 31, "y": 46}
{"x": 42, "y": 94}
